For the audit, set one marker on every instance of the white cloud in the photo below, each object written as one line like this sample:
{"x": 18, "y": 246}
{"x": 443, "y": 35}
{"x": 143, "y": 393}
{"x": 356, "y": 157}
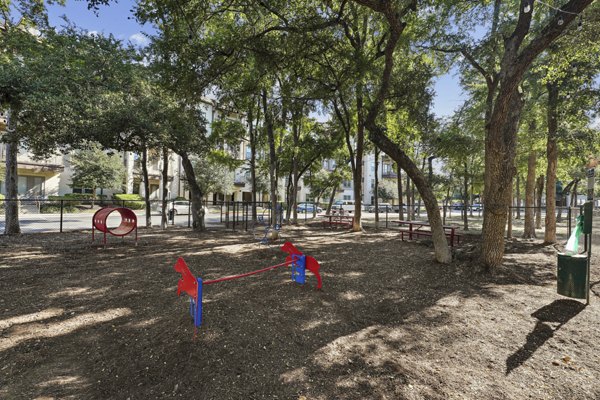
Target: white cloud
{"x": 139, "y": 39}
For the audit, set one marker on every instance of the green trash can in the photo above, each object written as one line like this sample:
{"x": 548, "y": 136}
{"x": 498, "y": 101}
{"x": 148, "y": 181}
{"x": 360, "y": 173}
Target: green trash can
{"x": 573, "y": 275}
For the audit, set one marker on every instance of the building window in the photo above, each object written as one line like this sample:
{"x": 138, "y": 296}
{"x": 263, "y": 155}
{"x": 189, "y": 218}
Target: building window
{"x": 347, "y": 197}
{"x": 31, "y": 186}
{"x": 347, "y": 184}
{"x": 248, "y": 152}
{"x": 83, "y": 190}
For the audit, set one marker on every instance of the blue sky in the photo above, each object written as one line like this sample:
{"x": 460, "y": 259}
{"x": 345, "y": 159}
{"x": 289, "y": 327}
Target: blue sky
{"x": 114, "y": 20}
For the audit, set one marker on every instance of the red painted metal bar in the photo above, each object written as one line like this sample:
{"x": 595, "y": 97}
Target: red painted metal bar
{"x": 229, "y": 278}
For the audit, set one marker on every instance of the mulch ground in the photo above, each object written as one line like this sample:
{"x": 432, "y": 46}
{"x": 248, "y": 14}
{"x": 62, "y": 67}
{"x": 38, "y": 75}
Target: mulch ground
{"x": 82, "y": 322}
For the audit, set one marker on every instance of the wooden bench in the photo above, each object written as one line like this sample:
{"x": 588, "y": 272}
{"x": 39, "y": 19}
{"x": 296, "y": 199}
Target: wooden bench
{"x": 414, "y": 230}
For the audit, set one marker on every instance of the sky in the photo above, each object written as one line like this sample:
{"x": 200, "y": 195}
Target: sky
{"x": 117, "y": 19}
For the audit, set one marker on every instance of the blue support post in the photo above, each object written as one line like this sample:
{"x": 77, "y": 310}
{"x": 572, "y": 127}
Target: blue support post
{"x": 196, "y": 309}
{"x": 299, "y": 269}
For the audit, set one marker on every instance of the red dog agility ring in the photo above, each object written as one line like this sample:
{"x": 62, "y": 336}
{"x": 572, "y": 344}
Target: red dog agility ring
{"x": 128, "y": 222}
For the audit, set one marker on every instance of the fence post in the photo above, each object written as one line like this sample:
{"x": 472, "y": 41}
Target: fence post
{"x": 386, "y": 217}
{"x": 246, "y": 220}
{"x": 61, "y": 215}
{"x": 234, "y": 214}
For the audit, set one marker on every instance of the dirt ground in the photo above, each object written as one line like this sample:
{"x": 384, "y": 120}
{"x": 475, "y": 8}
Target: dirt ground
{"x": 81, "y": 322}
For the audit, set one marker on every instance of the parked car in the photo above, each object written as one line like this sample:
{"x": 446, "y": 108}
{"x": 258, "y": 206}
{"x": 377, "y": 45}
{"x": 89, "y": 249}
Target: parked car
{"x": 346, "y": 206}
{"x": 308, "y": 208}
{"x": 457, "y": 206}
{"x": 383, "y": 207}
{"x": 477, "y": 207}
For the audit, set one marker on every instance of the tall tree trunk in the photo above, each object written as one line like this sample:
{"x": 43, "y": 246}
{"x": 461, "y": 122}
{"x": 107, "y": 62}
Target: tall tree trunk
{"x": 539, "y": 190}
{"x": 253, "y": 143}
{"x": 399, "y": 181}
{"x": 195, "y": 192}
{"x": 272, "y": 157}
{"x": 472, "y": 197}
{"x": 518, "y": 197}
{"x": 409, "y": 208}
{"x": 165, "y": 190}
{"x": 146, "y": 183}
{"x": 379, "y": 138}
{"x": 375, "y": 194}
{"x": 510, "y": 214}
{"x": 440, "y": 243}
{"x": 552, "y": 156}
{"x": 500, "y": 151}
{"x": 466, "y": 197}
{"x": 288, "y": 195}
{"x": 358, "y": 153}
{"x": 529, "y": 228}
{"x": 331, "y": 198}
{"x": 296, "y": 137}
{"x": 12, "y": 226}
{"x": 412, "y": 200}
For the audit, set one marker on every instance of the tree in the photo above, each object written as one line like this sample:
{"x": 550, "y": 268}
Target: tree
{"x": 502, "y": 72}
{"x": 96, "y": 168}
{"x": 48, "y": 84}
{"x": 212, "y": 175}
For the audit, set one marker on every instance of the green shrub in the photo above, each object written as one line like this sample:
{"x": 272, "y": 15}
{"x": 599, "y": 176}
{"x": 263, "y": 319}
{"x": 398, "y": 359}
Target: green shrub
{"x": 133, "y": 201}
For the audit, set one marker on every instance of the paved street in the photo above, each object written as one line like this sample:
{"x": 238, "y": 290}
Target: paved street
{"x": 32, "y": 223}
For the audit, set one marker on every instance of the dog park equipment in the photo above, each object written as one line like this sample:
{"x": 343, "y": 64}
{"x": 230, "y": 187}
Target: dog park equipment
{"x": 192, "y": 285}
{"x": 573, "y": 268}
{"x": 264, "y": 231}
{"x": 128, "y": 222}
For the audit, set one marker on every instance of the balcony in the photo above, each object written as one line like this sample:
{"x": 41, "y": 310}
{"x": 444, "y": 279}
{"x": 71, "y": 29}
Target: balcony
{"x": 389, "y": 175}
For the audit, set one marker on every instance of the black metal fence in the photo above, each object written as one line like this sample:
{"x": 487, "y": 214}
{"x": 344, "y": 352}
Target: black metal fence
{"x": 37, "y": 215}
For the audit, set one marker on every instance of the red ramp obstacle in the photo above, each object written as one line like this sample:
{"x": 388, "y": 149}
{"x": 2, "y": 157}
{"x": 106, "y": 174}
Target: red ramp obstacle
{"x": 191, "y": 285}
{"x": 128, "y": 222}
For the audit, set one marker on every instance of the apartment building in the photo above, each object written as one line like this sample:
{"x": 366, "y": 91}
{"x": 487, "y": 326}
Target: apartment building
{"x": 52, "y": 176}
{"x": 385, "y": 173}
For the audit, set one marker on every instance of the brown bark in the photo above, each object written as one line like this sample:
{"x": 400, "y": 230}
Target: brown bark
{"x": 529, "y": 228}
{"x": 552, "y": 156}
{"x": 375, "y": 194}
{"x": 409, "y": 208}
{"x": 146, "y": 184}
{"x": 11, "y": 211}
{"x": 331, "y": 198}
{"x": 272, "y": 157}
{"x": 399, "y": 181}
{"x": 379, "y": 138}
{"x": 539, "y": 191}
{"x": 510, "y": 215}
{"x": 296, "y": 137}
{"x": 500, "y": 148}
{"x": 358, "y": 154}
{"x": 518, "y": 197}
{"x": 466, "y": 197}
{"x": 195, "y": 193}
{"x": 253, "y": 144}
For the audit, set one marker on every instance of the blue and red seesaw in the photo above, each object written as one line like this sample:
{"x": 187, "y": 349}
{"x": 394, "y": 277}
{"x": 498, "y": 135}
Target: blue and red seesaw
{"x": 193, "y": 286}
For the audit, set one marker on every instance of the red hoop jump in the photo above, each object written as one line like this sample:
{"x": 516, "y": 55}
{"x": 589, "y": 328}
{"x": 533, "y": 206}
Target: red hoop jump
{"x": 127, "y": 225}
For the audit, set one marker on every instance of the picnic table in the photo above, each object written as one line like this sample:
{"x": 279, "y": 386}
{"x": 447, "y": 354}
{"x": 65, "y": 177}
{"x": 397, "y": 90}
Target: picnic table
{"x": 415, "y": 229}
{"x": 332, "y": 220}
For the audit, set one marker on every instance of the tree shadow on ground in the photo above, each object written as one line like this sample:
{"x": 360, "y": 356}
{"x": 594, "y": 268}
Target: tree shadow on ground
{"x": 256, "y": 330}
{"x": 550, "y": 319}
